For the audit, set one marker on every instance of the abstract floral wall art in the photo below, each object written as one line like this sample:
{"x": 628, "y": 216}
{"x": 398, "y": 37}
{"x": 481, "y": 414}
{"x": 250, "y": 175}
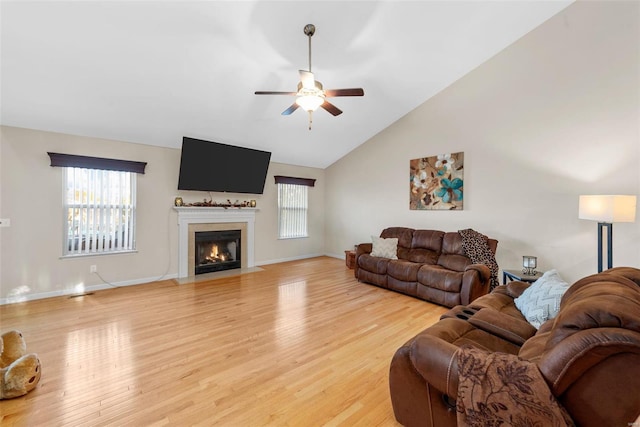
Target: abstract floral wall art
{"x": 437, "y": 182}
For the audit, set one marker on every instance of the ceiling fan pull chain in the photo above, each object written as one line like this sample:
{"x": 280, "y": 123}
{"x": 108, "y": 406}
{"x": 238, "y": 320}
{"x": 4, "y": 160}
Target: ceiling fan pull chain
{"x": 310, "y": 118}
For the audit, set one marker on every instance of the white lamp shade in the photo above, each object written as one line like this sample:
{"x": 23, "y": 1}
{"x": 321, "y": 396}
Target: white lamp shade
{"x": 608, "y": 208}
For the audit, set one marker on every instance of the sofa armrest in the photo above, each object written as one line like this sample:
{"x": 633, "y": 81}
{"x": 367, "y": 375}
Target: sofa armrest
{"x": 432, "y": 354}
{"x": 516, "y": 288}
{"x": 564, "y": 364}
{"x": 476, "y": 280}
{"x": 483, "y": 271}
{"x": 363, "y": 248}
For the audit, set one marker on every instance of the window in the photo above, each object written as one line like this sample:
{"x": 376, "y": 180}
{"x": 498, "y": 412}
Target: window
{"x": 99, "y": 204}
{"x": 99, "y": 211}
{"x": 292, "y": 211}
{"x": 293, "y": 206}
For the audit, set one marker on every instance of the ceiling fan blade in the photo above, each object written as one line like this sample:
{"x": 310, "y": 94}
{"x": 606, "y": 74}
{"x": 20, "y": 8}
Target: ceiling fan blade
{"x": 344, "y": 92}
{"x": 307, "y": 80}
{"x": 331, "y": 108}
{"x": 268, "y": 92}
{"x": 290, "y": 110}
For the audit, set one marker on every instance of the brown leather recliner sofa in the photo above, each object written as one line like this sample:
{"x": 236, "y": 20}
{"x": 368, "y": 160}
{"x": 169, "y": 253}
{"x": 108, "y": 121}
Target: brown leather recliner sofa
{"x": 431, "y": 265}
{"x": 588, "y": 355}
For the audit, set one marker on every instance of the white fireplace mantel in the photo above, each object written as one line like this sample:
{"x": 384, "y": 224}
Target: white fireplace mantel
{"x": 211, "y": 215}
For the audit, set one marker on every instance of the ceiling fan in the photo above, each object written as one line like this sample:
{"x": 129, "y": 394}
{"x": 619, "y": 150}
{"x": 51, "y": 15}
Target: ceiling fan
{"x": 311, "y": 94}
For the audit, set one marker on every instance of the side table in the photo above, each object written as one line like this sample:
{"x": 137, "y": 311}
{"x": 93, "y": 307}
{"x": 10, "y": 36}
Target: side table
{"x": 350, "y": 258}
{"x": 519, "y": 275}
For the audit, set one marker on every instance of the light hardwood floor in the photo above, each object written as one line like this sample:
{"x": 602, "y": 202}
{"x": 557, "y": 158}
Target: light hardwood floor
{"x": 298, "y": 344}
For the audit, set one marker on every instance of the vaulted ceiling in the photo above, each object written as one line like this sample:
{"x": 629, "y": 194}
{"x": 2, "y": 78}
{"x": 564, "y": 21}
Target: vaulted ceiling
{"x": 151, "y": 72}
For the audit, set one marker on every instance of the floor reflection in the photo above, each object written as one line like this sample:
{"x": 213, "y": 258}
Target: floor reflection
{"x": 92, "y": 356}
{"x": 290, "y": 325}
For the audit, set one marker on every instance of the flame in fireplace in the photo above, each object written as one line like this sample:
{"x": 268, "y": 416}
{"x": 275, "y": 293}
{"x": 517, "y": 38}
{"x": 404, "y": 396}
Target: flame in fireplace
{"x": 215, "y": 255}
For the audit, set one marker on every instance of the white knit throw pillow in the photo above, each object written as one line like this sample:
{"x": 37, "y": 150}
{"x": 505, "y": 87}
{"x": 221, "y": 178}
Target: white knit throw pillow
{"x": 541, "y": 301}
{"x": 385, "y": 248}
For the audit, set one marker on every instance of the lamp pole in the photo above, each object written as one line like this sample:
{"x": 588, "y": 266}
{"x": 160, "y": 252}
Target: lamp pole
{"x": 609, "y": 227}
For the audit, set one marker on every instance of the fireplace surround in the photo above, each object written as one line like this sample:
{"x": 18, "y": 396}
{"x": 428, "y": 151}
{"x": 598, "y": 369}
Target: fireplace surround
{"x": 192, "y": 219}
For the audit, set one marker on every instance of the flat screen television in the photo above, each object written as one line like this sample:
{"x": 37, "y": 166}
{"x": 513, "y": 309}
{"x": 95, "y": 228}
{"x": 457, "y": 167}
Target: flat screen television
{"x": 212, "y": 166}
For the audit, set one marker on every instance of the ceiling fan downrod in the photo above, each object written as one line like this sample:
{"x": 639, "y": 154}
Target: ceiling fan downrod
{"x": 309, "y": 30}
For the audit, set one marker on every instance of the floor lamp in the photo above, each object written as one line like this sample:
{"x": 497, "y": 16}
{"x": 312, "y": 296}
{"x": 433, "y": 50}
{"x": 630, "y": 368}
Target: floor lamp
{"x": 607, "y": 210}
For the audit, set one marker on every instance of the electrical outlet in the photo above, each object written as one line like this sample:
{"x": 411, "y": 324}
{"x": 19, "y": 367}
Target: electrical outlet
{"x": 93, "y": 269}
{"x": 5, "y": 222}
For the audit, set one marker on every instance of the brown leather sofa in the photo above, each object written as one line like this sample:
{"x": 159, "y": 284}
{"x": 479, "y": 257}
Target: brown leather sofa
{"x": 431, "y": 265}
{"x": 588, "y": 355}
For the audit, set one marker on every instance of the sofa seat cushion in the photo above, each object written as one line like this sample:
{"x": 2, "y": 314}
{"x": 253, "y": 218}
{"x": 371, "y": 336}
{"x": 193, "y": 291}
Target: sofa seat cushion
{"x": 407, "y": 288}
{"x": 373, "y": 278}
{"x": 373, "y": 264}
{"x": 533, "y": 349}
{"x": 438, "y": 277}
{"x": 403, "y": 270}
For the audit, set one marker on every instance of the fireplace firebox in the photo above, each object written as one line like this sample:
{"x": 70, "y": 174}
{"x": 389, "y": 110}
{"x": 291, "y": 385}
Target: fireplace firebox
{"x": 217, "y": 251}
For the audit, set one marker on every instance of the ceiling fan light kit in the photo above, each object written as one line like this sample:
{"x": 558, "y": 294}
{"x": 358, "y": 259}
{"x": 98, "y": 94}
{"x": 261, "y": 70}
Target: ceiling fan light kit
{"x": 311, "y": 95}
{"x": 309, "y": 102}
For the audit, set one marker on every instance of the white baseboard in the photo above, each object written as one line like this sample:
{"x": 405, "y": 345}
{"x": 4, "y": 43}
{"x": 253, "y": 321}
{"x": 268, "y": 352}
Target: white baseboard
{"x": 339, "y": 256}
{"x": 91, "y": 288}
{"x": 85, "y": 289}
{"x": 295, "y": 258}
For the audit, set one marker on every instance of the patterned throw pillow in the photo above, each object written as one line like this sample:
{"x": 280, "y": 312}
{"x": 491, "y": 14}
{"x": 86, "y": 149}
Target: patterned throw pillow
{"x": 385, "y": 248}
{"x": 541, "y": 301}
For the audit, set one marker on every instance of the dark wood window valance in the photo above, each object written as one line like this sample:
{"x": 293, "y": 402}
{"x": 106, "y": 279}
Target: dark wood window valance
{"x": 73, "y": 161}
{"x": 297, "y": 181}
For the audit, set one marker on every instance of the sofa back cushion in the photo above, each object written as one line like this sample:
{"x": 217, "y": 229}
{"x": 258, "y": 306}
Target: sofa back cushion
{"x": 404, "y": 236}
{"x": 598, "y": 301}
{"x": 452, "y": 255}
{"x": 425, "y": 246}
{"x": 630, "y": 273}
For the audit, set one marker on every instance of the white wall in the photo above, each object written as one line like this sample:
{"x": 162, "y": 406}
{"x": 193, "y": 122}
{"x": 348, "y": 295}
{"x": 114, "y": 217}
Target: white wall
{"x": 553, "y": 116}
{"x": 269, "y": 248}
{"x": 31, "y": 196}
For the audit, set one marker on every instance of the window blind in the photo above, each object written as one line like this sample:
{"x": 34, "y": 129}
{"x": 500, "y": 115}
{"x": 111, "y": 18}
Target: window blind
{"x": 292, "y": 211}
{"x": 99, "y": 208}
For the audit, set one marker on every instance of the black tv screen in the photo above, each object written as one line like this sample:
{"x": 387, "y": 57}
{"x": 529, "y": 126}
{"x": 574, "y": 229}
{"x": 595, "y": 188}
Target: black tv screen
{"x": 212, "y": 166}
